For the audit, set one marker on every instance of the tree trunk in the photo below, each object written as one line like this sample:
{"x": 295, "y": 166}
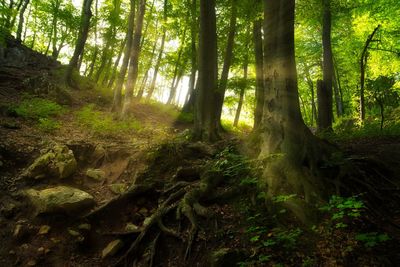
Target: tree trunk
{"x": 146, "y": 75}
{"x": 363, "y": 66}
{"x": 291, "y": 153}
{"x": 310, "y": 83}
{"x": 121, "y": 77}
{"x": 157, "y": 67}
{"x": 135, "y": 53}
{"x": 26, "y": 23}
{"x": 258, "y": 53}
{"x": 116, "y": 63}
{"x": 54, "y": 53}
{"x": 188, "y": 106}
{"x": 205, "y": 119}
{"x": 326, "y": 119}
{"x": 21, "y": 19}
{"x": 81, "y": 41}
{"x": 241, "y": 97}
{"x": 220, "y": 93}
{"x": 174, "y": 85}
{"x": 96, "y": 47}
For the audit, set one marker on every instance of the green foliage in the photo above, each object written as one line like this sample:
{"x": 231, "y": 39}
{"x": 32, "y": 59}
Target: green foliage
{"x": 343, "y": 210}
{"x": 103, "y": 123}
{"x": 372, "y": 239}
{"x": 231, "y": 164}
{"x": 48, "y": 125}
{"x": 38, "y": 108}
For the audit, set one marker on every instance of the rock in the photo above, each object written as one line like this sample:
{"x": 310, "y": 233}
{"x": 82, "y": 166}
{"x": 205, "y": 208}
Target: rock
{"x": 44, "y": 229}
{"x": 118, "y": 188}
{"x": 226, "y": 257}
{"x": 8, "y": 210}
{"x": 112, "y": 248}
{"x": 130, "y": 227}
{"x": 74, "y": 233}
{"x": 96, "y": 174}
{"x": 31, "y": 263}
{"x": 98, "y": 154}
{"x": 59, "y": 162}
{"x": 17, "y": 231}
{"x": 60, "y": 199}
{"x": 85, "y": 226}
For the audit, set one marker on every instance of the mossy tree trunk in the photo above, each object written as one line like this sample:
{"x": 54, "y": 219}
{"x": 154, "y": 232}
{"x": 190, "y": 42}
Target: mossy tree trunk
{"x": 291, "y": 153}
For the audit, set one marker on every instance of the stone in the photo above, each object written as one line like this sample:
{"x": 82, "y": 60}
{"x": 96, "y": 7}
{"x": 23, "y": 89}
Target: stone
{"x": 60, "y": 199}
{"x": 31, "y": 263}
{"x": 58, "y": 162}
{"x": 226, "y": 257}
{"x": 96, "y": 174}
{"x": 98, "y": 153}
{"x": 17, "y": 230}
{"x": 8, "y": 210}
{"x": 85, "y": 226}
{"x": 112, "y": 248}
{"x": 130, "y": 227}
{"x": 118, "y": 188}
{"x": 44, "y": 229}
{"x": 74, "y": 233}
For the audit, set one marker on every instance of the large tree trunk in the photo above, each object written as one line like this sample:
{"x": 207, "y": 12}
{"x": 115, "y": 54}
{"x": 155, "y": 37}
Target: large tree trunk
{"x": 21, "y": 19}
{"x": 292, "y": 155}
{"x": 363, "y": 66}
{"x": 81, "y": 41}
{"x": 134, "y": 61}
{"x": 220, "y": 93}
{"x": 121, "y": 77}
{"x": 326, "y": 112}
{"x": 205, "y": 119}
{"x": 258, "y": 52}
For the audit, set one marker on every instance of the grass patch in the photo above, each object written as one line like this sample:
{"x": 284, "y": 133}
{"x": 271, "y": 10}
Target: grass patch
{"x": 38, "y": 108}
{"x": 102, "y": 123}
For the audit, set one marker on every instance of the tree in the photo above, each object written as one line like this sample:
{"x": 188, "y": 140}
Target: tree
{"x": 292, "y": 152}
{"x": 258, "y": 53}
{"x": 205, "y": 120}
{"x": 134, "y": 60}
{"x": 325, "y": 115}
{"x": 127, "y": 54}
{"x": 80, "y": 42}
{"x": 21, "y": 19}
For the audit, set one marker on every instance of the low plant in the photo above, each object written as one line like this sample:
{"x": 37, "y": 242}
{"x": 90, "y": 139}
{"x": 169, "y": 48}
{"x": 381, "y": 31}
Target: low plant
{"x": 48, "y": 124}
{"x": 38, "y": 108}
{"x": 103, "y": 123}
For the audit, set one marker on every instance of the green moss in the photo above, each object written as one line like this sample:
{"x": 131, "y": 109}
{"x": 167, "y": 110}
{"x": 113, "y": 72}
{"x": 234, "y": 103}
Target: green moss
{"x": 102, "y": 123}
{"x": 38, "y": 108}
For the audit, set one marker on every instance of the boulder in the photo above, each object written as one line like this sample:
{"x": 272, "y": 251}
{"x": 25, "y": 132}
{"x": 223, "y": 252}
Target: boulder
{"x": 96, "y": 174}
{"x": 58, "y": 162}
{"x": 60, "y": 199}
{"x": 112, "y": 248}
{"x": 118, "y": 188}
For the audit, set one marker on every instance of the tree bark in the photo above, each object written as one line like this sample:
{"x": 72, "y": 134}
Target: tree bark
{"x": 363, "y": 65}
{"x": 174, "y": 85}
{"x": 326, "y": 112}
{"x": 121, "y": 77}
{"x": 134, "y": 61}
{"x": 21, "y": 19}
{"x": 220, "y": 93}
{"x": 258, "y": 53}
{"x": 81, "y": 41}
{"x": 116, "y": 63}
{"x": 205, "y": 126}
{"x": 292, "y": 155}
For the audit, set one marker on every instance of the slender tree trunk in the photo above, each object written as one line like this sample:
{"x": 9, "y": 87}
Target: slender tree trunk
{"x": 337, "y": 91}
{"x": 258, "y": 52}
{"x": 189, "y": 103}
{"x": 96, "y": 47}
{"x": 205, "y": 119}
{"x": 220, "y": 93}
{"x": 116, "y": 63}
{"x": 172, "y": 92}
{"x": 241, "y": 97}
{"x": 81, "y": 41}
{"x": 363, "y": 66}
{"x": 135, "y": 54}
{"x": 54, "y": 53}
{"x": 157, "y": 67}
{"x": 325, "y": 114}
{"x": 21, "y": 19}
{"x": 121, "y": 77}
{"x": 26, "y": 23}
{"x": 313, "y": 105}
{"x": 146, "y": 75}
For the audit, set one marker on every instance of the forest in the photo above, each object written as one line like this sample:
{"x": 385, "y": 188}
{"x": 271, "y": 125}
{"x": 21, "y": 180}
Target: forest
{"x": 200, "y": 133}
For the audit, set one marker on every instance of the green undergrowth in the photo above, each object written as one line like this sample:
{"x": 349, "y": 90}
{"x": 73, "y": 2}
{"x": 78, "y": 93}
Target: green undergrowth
{"x": 43, "y": 111}
{"x": 104, "y": 124}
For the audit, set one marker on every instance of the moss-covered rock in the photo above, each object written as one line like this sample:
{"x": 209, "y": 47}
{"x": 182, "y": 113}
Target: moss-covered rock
{"x": 60, "y": 199}
{"x": 96, "y": 174}
{"x": 59, "y": 161}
